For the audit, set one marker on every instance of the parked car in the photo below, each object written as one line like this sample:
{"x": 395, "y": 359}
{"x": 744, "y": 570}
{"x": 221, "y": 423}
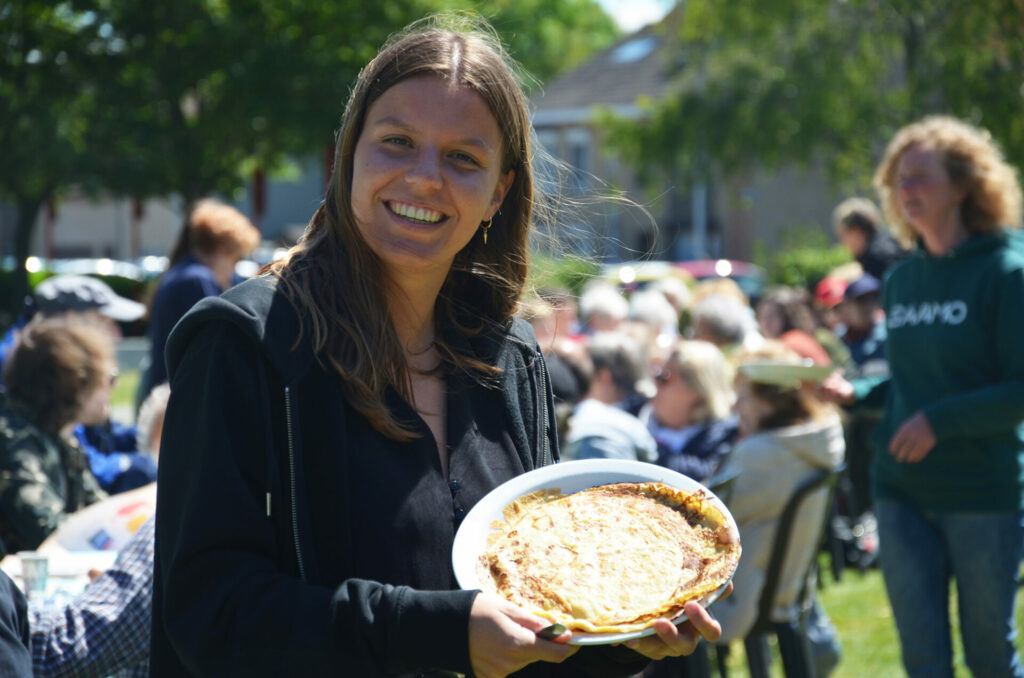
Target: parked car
{"x": 750, "y": 277}
{"x": 631, "y": 276}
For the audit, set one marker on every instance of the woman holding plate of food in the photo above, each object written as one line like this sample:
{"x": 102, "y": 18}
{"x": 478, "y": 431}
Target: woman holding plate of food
{"x": 948, "y": 471}
{"x": 332, "y": 420}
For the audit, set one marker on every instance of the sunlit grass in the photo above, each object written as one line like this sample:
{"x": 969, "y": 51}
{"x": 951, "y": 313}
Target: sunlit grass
{"x": 859, "y": 607}
{"x": 124, "y": 390}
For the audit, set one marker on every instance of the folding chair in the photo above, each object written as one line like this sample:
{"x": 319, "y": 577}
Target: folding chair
{"x": 792, "y": 636}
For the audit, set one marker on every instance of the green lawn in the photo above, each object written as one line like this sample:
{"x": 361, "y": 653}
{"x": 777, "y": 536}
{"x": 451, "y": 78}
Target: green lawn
{"x": 124, "y": 389}
{"x": 859, "y": 608}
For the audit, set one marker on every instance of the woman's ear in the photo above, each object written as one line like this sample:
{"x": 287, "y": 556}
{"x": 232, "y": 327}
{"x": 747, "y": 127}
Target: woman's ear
{"x": 500, "y": 191}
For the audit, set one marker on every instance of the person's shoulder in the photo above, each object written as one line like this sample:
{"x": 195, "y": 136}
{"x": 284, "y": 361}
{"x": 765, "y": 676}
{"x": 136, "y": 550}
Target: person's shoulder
{"x": 257, "y": 310}
{"x": 520, "y": 330}
{"x": 15, "y": 426}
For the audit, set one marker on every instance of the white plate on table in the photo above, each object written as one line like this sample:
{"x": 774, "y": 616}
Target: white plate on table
{"x": 785, "y": 374}
{"x": 570, "y": 476}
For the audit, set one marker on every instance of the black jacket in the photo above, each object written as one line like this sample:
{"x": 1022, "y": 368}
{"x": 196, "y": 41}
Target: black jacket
{"x": 255, "y": 570}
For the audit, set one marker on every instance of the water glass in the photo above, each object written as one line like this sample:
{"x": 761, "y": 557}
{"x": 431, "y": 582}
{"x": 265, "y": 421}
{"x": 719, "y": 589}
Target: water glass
{"x": 35, "y": 570}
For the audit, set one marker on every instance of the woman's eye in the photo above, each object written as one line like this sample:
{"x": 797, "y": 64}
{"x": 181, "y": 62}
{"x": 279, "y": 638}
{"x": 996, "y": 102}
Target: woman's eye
{"x": 396, "y": 141}
{"x": 464, "y": 158}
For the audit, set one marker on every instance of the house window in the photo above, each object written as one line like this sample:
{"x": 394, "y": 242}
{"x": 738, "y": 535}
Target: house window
{"x": 580, "y": 147}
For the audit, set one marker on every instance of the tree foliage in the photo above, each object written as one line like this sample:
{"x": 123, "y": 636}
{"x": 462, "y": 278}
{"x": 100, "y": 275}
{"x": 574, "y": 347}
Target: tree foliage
{"x": 549, "y": 36}
{"x": 781, "y": 81}
{"x": 187, "y": 98}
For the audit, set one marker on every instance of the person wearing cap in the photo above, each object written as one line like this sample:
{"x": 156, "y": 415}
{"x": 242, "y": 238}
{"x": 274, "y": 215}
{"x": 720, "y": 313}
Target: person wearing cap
{"x": 72, "y": 293}
{"x": 947, "y": 477}
{"x": 215, "y": 238}
{"x": 862, "y": 327}
{"x": 858, "y": 225}
{"x": 111, "y": 446}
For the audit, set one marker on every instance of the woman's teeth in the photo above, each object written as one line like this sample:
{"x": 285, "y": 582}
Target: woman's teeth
{"x": 416, "y": 213}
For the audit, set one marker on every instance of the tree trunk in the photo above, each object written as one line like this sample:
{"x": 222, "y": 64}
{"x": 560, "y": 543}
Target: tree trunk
{"x": 28, "y": 209}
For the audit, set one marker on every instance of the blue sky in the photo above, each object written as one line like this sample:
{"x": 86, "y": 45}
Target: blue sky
{"x": 632, "y": 14}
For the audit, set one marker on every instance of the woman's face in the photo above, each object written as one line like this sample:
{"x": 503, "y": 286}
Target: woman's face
{"x": 674, "y": 400}
{"x": 95, "y": 405}
{"x": 426, "y": 173}
{"x": 927, "y": 198}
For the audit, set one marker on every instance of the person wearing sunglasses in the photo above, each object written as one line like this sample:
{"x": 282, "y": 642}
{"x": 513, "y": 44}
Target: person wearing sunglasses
{"x": 690, "y": 415}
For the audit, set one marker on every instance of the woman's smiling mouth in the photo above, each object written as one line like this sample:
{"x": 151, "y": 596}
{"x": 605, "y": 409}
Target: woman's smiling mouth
{"x": 412, "y": 213}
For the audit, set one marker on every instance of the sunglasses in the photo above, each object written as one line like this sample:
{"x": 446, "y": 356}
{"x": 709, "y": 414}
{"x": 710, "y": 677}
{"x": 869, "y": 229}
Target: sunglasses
{"x": 663, "y": 376}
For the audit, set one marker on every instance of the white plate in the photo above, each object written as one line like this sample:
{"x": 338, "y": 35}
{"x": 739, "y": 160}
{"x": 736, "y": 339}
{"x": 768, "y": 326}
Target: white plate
{"x": 568, "y": 476}
{"x": 785, "y": 374}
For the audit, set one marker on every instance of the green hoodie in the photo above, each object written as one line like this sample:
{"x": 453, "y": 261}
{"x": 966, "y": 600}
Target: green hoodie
{"x": 956, "y": 327}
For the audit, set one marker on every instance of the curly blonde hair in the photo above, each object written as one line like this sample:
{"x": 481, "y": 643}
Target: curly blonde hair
{"x": 972, "y": 160}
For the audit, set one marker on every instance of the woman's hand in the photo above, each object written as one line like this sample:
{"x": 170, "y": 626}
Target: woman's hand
{"x": 670, "y": 640}
{"x": 836, "y": 389}
{"x": 913, "y": 440}
{"x": 503, "y": 638}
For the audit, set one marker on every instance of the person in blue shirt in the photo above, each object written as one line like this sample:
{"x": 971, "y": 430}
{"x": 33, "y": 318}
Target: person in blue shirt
{"x": 215, "y": 238}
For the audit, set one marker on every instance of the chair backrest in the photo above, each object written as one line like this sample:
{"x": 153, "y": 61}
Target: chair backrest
{"x": 821, "y": 482}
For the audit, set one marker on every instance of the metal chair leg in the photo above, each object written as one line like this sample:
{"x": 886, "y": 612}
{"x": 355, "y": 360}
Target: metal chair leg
{"x": 759, "y": 657}
{"x": 795, "y": 650}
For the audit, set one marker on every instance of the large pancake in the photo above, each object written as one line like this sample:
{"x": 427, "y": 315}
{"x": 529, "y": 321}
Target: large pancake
{"x": 611, "y": 558}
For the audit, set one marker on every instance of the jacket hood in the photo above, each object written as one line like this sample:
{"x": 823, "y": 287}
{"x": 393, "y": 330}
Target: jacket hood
{"x": 262, "y": 313}
{"x": 820, "y": 443}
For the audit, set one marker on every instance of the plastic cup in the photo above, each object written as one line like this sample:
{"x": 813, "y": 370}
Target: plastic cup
{"x": 35, "y": 571}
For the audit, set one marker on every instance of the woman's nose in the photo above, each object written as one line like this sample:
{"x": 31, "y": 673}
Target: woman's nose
{"x": 425, "y": 172}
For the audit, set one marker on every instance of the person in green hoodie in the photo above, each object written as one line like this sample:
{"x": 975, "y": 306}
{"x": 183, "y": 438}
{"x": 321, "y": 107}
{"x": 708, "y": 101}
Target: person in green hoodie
{"x": 948, "y": 473}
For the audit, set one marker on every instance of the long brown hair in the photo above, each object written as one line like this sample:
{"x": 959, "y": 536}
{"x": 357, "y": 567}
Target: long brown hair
{"x": 337, "y": 282}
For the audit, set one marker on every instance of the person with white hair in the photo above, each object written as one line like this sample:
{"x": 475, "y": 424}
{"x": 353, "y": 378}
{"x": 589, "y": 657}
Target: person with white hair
{"x": 654, "y": 309}
{"x": 690, "y": 415}
{"x": 726, "y": 322}
{"x": 602, "y": 307}
{"x": 675, "y": 291}
{"x": 598, "y": 428}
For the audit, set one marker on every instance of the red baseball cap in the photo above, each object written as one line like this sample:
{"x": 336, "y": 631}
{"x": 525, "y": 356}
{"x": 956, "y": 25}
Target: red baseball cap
{"x": 829, "y": 291}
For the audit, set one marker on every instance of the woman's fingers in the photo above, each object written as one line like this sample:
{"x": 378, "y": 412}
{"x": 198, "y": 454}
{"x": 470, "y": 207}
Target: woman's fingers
{"x": 913, "y": 440}
{"x": 503, "y": 638}
{"x": 670, "y": 640}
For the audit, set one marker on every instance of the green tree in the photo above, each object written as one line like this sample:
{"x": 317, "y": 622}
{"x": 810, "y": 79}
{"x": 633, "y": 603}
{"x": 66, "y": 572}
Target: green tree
{"x": 45, "y": 102}
{"x": 783, "y": 81}
{"x": 549, "y": 36}
{"x": 188, "y": 98}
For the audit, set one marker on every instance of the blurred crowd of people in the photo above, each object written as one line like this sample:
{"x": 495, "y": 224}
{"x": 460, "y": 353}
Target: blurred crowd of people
{"x": 658, "y": 375}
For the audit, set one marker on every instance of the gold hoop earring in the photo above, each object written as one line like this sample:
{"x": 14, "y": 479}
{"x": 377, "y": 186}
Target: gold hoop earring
{"x": 486, "y": 227}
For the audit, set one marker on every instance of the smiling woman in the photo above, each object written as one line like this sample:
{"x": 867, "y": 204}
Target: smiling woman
{"x": 332, "y": 421}
{"x": 430, "y": 173}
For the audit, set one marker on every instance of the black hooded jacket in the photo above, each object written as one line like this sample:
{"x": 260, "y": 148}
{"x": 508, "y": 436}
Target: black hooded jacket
{"x": 268, "y": 560}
